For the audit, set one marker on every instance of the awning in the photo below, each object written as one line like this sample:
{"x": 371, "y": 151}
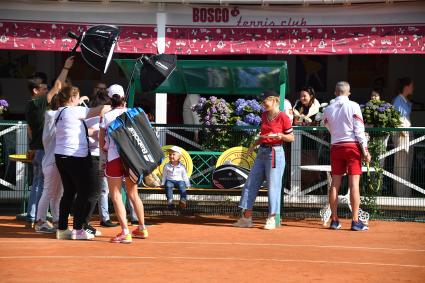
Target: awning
{"x": 219, "y": 30}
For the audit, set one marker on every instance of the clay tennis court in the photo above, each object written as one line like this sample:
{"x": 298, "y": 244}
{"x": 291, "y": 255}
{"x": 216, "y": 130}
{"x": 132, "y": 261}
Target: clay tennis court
{"x": 209, "y": 249}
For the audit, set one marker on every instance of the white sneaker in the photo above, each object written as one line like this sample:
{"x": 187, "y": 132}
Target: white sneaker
{"x": 81, "y": 235}
{"x": 44, "y": 227}
{"x": 270, "y": 223}
{"x": 243, "y": 222}
{"x": 63, "y": 234}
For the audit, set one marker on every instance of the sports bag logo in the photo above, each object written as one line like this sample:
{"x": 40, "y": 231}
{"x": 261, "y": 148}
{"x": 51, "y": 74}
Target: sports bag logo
{"x": 146, "y": 155}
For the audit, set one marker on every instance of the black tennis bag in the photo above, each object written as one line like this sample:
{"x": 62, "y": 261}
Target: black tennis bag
{"x": 230, "y": 176}
{"x": 137, "y": 143}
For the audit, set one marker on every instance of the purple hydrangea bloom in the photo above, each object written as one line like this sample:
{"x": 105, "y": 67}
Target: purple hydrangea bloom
{"x": 241, "y": 123}
{"x": 250, "y": 118}
{"x": 257, "y": 120}
{"x": 256, "y": 107}
{"x": 239, "y": 110}
{"x": 4, "y": 103}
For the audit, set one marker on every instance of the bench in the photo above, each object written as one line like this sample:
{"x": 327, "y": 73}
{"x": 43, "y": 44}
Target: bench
{"x": 199, "y": 191}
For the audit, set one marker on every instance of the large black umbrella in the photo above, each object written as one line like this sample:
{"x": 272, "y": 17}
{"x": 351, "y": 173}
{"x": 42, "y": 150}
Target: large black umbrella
{"x": 97, "y": 45}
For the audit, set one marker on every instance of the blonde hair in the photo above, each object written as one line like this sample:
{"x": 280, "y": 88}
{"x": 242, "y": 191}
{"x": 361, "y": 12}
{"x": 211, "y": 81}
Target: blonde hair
{"x": 274, "y": 98}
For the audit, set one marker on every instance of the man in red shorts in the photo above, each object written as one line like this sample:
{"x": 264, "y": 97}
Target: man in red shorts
{"x": 344, "y": 120}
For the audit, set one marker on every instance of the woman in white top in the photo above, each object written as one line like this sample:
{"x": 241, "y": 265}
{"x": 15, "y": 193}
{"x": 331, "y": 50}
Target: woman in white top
{"x": 189, "y": 116}
{"x": 115, "y": 172}
{"x": 74, "y": 162}
{"x": 306, "y": 108}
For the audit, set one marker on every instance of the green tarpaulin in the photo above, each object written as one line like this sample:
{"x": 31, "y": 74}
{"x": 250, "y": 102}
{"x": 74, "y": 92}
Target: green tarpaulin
{"x": 216, "y": 77}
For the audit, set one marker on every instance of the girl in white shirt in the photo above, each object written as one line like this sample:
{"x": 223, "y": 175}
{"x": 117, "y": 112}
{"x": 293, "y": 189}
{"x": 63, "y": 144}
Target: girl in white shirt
{"x": 74, "y": 162}
{"x": 115, "y": 172}
{"x": 52, "y": 191}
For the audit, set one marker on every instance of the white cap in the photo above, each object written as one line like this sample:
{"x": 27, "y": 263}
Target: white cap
{"x": 176, "y": 149}
{"x": 116, "y": 89}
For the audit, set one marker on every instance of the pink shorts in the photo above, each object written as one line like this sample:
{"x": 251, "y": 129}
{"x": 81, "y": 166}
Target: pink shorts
{"x": 346, "y": 158}
{"x": 115, "y": 169}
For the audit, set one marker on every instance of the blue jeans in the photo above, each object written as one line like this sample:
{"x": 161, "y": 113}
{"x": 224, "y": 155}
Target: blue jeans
{"x": 37, "y": 185}
{"x": 262, "y": 171}
{"x": 170, "y": 185}
{"x": 103, "y": 202}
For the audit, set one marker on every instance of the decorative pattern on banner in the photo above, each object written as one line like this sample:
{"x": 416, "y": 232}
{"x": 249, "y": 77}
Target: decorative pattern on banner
{"x": 298, "y": 40}
{"x": 53, "y": 37}
{"x": 228, "y": 40}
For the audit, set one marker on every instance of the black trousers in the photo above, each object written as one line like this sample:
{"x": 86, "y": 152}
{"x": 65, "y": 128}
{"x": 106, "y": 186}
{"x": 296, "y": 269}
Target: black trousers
{"x": 94, "y": 198}
{"x": 79, "y": 184}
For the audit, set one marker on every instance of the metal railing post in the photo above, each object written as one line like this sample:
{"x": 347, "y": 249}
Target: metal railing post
{"x": 21, "y": 170}
{"x": 295, "y": 164}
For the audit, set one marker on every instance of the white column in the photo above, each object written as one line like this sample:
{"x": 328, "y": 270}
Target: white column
{"x": 161, "y": 98}
{"x": 161, "y": 19}
{"x": 161, "y": 115}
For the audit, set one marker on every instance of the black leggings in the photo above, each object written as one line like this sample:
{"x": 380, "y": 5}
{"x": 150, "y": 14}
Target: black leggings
{"x": 78, "y": 178}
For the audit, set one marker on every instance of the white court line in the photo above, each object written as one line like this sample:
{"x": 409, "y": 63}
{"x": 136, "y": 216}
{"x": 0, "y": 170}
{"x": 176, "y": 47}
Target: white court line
{"x": 210, "y": 258}
{"x": 235, "y": 244}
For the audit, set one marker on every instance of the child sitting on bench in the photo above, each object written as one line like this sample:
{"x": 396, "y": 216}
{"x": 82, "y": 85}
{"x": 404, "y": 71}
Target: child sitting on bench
{"x": 174, "y": 175}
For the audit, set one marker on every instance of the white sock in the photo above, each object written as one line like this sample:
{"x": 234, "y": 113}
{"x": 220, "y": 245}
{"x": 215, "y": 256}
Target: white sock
{"x": 125, "y": 231}
{"x": 142, "y": 226}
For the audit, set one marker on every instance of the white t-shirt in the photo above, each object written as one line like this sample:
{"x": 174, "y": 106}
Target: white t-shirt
{"x": 190, "y": 117}
{"x": 71, "y": 139}
{"x": 107, "y": 119}
{"x": 49, "y": 138}
{"x": 287, "y": 108}
{"x": 93, "y": 123}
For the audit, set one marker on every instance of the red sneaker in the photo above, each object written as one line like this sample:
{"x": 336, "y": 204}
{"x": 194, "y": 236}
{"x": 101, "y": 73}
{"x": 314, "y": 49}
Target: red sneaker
{"x": 121, "y": 238}
{"x": 141, "y": 234}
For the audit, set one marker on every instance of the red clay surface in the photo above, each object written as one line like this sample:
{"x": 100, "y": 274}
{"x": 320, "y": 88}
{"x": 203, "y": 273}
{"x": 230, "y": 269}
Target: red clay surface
{"x": 209, "y": 249}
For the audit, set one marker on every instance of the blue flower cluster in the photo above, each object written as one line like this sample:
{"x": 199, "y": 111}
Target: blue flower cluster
{"x": 242, "y": 105}
{"x": 248, "y": 111}
{"x": 382, "y": 114}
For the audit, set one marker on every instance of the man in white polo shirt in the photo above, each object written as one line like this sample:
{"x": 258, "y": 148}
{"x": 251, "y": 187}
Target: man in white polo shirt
{"x": 344, "y": 120}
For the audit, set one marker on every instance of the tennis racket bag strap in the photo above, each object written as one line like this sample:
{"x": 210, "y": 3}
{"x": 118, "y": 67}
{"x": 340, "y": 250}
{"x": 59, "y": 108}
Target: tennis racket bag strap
{"x": 230, "y": 176}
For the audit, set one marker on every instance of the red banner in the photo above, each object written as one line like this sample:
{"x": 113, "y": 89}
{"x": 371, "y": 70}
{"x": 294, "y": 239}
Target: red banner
{"x": 224, "y": 40}
{"x": 53, "y": 37}
{"x": 301, "y": 40}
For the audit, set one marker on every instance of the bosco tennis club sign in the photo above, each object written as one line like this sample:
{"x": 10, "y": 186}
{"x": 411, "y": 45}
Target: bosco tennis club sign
{"x": 233, "y": 15}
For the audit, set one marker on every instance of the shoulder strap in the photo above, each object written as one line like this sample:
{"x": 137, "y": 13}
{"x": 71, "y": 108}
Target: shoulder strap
{"x": 60, "y": 113}
{"x": 87, "y": 137}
